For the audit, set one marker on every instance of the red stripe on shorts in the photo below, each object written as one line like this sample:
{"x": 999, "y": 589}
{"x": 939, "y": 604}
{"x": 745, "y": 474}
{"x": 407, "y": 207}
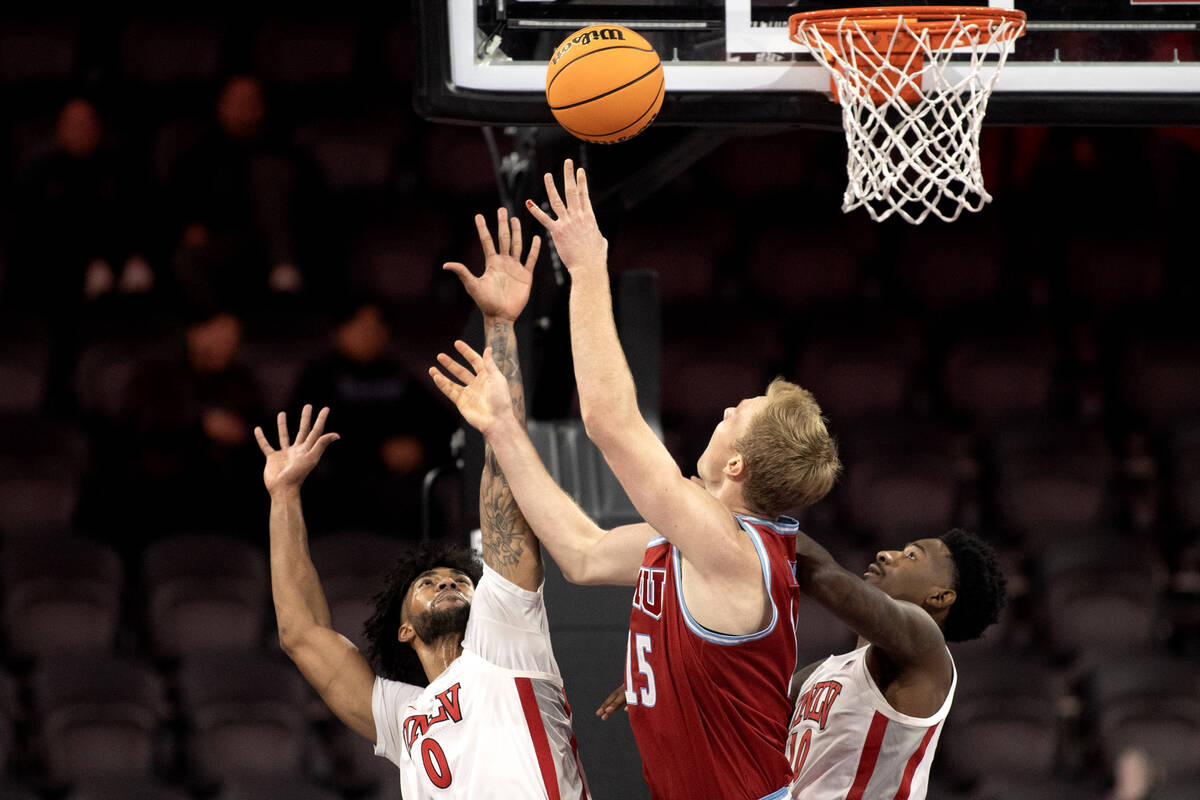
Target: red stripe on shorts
{"x": 537, "y": 732}
{"x": 870, "y": 754}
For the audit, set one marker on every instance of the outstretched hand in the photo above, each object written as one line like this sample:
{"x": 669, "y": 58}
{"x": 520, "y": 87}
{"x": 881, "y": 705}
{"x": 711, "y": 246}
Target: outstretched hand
{"x": 480, "y": 393}
{"x": 573, "y": 227}
{"x": 288, "y": 466}
{"x": 503, "y": 288}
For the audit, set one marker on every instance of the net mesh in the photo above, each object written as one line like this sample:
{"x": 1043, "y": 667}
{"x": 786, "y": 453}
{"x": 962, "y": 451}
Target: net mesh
{"x": 912, "y": 117}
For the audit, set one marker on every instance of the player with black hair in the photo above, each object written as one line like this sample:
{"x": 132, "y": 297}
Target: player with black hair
{"x": 866, "y": 723}
{"x": 460, "y": 689}
{"x": 388, "y": 656}
{"x": 979, "y": 586}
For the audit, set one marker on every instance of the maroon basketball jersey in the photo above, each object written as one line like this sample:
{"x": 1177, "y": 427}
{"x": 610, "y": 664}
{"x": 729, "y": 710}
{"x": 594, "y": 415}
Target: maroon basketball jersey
{"x": 710, "y": 710}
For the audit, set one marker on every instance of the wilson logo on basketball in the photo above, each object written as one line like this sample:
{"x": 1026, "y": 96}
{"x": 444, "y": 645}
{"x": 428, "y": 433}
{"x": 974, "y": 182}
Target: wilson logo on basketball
{"x": 586, "y": 37}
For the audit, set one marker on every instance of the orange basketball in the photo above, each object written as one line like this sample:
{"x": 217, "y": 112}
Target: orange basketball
{"x": 605, "y": 83}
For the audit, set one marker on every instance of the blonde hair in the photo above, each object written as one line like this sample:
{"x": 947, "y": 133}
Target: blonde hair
{"x": 791, "y": 457}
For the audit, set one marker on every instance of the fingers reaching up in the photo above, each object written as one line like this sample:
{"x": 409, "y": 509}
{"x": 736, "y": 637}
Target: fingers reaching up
{"x": 309, "y": 436}
{"x": 477, "y": 388}
{"x": 503, "y": 288}
{"x": 293, "y": 461}
{"x": 573, "y": 223}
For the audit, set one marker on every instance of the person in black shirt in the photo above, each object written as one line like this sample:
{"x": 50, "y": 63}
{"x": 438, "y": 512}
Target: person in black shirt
{"x": 392, "y": 428}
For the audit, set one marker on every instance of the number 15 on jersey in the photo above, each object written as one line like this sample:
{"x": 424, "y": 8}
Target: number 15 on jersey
{"x": 639, "y": 675}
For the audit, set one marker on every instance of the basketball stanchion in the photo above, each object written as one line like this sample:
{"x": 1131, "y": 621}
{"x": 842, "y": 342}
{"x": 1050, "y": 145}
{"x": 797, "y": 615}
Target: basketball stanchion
{"x": 911, "y": 110}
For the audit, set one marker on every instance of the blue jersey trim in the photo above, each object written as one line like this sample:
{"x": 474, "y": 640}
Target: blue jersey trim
{"x": 784, "y": 524}
{"x": 655, "y": 541}
{"x": 779, "y": 794}
{"x": 726, "y": 638}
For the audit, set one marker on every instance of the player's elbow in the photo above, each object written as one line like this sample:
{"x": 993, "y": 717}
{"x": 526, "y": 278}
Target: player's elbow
{"x": 584, "y": 577}
{"x": 289, "y": 642}
{"x": 605, "y": 422}
{"x": 295, "y": 639}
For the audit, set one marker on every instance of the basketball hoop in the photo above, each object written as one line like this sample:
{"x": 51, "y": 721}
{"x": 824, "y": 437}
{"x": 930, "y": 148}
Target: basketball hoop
{"x": 912, "y": 116}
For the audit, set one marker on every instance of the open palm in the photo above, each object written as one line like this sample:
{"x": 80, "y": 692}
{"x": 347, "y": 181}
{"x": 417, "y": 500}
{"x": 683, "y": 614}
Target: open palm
{"x": 288, "y": 466}
{"x": 503, "y": 288}
{"x": 481, "y": 393}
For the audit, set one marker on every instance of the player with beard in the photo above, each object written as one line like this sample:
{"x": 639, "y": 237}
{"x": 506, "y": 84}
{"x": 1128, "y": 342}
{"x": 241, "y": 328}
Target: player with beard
{"x": 459, "y": 687}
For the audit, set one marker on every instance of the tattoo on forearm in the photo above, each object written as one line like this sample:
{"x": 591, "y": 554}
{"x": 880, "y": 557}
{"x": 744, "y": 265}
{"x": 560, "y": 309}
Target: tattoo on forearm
{"x": 507, "y": 537}
{"x": 504, "y": 353}
{"x": 506, "y": 534}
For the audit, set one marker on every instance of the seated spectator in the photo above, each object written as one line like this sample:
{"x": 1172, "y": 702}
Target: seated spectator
{"x": 393, "y": 428}
{"x": 80, "y": 232}
{"x": 186, "y": 459}
{"x": 241, "y": 201}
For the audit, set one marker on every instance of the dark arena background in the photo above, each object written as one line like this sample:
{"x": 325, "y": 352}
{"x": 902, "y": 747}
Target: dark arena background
{"x": 211, "y": 218}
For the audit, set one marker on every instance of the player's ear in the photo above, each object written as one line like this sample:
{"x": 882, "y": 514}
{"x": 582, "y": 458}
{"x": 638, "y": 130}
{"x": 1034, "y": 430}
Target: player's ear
{"x": 406, "y": 632}
{"x": 735, "y": 467}
{"x": 941, "y": 598}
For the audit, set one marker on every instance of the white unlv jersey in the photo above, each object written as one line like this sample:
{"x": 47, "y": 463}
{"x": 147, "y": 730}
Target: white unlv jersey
{"x": 847, "y": 743}
{"x": 496, "y": 723}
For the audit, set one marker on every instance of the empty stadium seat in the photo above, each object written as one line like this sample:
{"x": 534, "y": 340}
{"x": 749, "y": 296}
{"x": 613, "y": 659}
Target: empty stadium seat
{"x": 1098, "y": 591}
{"x": 1005, "y": 718}
{"x": 1051, "y": 476}
{"x": 1148, "y": 700}
{"x": 856, "y": 376}
{"x": 1161, "y": 381}
{"x": 246, "y": 714}
{"x": 1032, "y": 788}
{"x": 989, "y": 379}
{"x": 97, "y": 716}
{"x": 354, "y": 155}
{"x": 158, "y": 53}
{"x": 204, "y": 592}
{"x": 298, "y": 53}
{"x": 123, "y": 788}
{"x": 276, "y": 788}
{"x": 41, "y": 468}
{"x": 24, "y": 364}
{"x": 60, "y": 595}
{"x": 38, "y": 52}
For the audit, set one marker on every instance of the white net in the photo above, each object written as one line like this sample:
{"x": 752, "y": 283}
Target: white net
{"x": 912, "y": 115}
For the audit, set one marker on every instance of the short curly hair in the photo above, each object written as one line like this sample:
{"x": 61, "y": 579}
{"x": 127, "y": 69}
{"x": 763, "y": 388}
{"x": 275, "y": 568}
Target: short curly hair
{"x": 389, "y": 657}
{"x": 978, "y": 583}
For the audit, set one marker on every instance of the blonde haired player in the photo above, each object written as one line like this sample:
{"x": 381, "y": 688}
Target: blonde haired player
{"x": 493, "y": 721}
{"x": 711, "y": 634}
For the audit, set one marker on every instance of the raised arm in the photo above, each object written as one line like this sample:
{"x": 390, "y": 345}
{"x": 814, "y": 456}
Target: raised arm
{"x": 584, "y": 551}
{"x": 903, "y": 631}
{"x": 328, "y": 660}
{"x": 501, "y": 292}
{"x": 682, "y": 511}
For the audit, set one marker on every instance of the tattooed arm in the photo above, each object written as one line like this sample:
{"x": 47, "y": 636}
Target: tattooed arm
{"x": 509, "y": 546}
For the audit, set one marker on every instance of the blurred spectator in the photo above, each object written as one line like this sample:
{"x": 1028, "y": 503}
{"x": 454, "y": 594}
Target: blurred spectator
{"x": 83, "y": 206}
{"x": 393, "y": 429}
{"x": 241, "y": 202}
{"x": 1135, "y": 775}
{"x": 80, "y": 231}
{"x": 186, "y": 459}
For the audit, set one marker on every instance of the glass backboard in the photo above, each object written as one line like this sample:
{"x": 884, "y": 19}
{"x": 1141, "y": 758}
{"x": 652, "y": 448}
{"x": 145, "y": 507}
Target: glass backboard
{"x": 730, "y": 62}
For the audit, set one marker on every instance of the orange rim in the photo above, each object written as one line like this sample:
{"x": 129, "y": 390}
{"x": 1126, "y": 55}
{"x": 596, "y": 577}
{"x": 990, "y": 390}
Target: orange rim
{"x": 935, "y": 19}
